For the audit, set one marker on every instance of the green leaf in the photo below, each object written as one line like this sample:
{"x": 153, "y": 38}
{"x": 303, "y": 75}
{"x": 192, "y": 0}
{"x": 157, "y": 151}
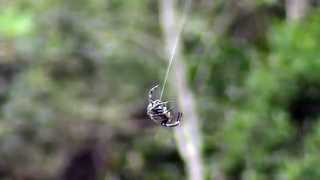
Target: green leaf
{"x": 14, "y": 23}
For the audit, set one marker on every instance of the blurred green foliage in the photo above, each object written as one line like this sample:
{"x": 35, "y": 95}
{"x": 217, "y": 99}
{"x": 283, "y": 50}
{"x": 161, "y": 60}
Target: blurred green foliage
{"x": 74, "y": 77}
{"x": 14, "y": 24}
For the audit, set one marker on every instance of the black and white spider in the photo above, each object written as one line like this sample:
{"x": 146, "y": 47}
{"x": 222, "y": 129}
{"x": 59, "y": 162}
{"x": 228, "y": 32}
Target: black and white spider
{"x": 158, "y": 111}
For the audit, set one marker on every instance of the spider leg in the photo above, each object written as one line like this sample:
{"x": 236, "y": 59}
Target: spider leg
{"x": 166, "y": 124}
{"x": 179, "y": 116}
{"x": 151, "y": 92}
{"x": 166, "y": 102}
{"x": 169, "y": 110}
{"x": 175, "y": 123}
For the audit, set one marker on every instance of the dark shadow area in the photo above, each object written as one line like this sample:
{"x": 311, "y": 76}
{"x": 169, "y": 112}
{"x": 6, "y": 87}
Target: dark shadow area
{"x": 305, "y": 107}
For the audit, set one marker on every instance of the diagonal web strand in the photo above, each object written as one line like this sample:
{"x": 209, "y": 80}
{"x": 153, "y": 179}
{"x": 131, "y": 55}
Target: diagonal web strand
{"x": 177, "y": 39}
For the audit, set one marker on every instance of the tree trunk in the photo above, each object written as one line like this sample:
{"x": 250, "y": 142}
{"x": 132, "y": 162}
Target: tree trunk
{"x": 297, "y": 9}
{"x": 188, "y": 135}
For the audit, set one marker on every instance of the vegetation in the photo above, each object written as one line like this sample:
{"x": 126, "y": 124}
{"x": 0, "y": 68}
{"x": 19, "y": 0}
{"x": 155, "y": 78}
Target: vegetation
{"x": 74, "y": 78}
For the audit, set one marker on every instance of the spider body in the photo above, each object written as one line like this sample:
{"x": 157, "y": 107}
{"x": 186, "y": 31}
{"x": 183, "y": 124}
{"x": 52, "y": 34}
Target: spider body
{"x": 158, "y": 111}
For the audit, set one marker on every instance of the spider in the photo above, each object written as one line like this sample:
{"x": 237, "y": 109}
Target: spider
{"x": 158, "y": 111}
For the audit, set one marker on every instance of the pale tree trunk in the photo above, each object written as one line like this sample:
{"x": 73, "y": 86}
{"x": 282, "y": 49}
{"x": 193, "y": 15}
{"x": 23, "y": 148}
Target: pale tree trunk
{"x": 188, "y": 135}
{"x": 297, "y": 9}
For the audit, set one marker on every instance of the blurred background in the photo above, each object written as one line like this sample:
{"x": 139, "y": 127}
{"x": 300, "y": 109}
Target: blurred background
{"x": 74, "y": 78}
